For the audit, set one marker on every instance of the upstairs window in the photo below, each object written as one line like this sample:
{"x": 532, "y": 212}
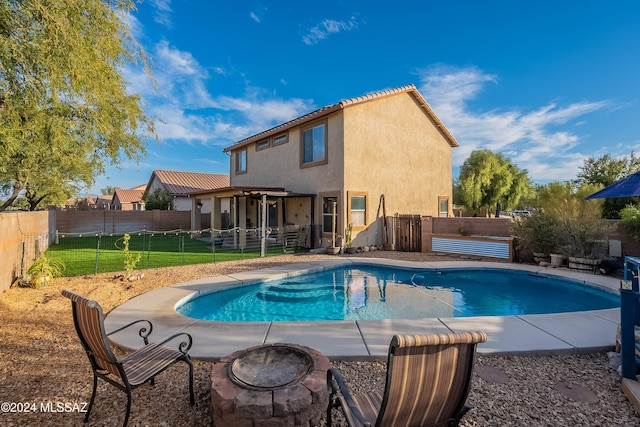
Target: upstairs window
{"x": 314, "y": 144}
{"x": 280, "y": 139}
{"x": 261, "y": 145}
{"x": 241, "y": 161}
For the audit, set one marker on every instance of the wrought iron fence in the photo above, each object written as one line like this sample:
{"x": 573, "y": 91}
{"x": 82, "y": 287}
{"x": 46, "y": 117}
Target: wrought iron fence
{"x": 92, "y": 253}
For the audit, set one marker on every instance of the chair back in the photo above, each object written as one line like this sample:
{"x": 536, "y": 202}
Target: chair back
{"x": 428, "y": 378}
{"x": 89, "y": 322}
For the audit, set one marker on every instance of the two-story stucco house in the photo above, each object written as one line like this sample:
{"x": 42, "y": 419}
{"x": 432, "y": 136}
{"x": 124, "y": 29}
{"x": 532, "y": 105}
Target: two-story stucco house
{"x": 388, "y": 145}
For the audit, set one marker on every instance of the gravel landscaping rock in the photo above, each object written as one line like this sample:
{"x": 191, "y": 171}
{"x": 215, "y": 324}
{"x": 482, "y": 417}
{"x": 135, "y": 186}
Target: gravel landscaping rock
{"x": 46, "y": 377}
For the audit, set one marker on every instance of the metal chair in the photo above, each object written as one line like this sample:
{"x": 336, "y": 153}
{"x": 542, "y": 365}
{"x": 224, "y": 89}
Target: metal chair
{"x": 428, "y": 380}
{"x": 136, "y": 368}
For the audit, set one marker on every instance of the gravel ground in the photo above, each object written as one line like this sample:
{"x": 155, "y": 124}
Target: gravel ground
{"x": 46, "y": 378}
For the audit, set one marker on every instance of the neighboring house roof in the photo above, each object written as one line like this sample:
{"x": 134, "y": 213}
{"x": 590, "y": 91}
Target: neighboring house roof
{"x": 182, "y": 183}
{"x": 342, "y": 105}
{"x": 128, "y": 196}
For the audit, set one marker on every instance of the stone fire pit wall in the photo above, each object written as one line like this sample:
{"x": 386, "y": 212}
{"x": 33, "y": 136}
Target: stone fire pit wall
{"x": 299, "y": 403}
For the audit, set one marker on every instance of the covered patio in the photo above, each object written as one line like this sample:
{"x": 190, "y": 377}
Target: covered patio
{"x": 261, "y": 212}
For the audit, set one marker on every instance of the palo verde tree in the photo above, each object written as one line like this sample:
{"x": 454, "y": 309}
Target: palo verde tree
{"x": 490, "y": 181}
{"x": 64, "y": 107}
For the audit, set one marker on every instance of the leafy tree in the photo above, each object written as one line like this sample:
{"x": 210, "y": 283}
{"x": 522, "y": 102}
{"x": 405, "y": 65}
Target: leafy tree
{"x": 108, "y": 191}
{"x": 606, "y": 170}
{"x": 488, "y": 180}
{"x": 157, "y": 199}
{"x": 47, "y": 193}
{"x": 566, "y": 200}
{"x": 64, "y": 108}
{"x": 580, "y": 229}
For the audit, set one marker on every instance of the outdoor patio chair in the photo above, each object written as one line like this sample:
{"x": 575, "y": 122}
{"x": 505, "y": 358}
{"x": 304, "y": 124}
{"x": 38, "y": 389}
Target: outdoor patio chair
{"x": 428, "y": 380}
{"x": 136, "y": 368}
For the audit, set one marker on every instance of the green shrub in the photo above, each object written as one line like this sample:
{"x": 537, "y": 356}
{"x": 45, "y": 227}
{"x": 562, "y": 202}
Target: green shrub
{"x": 41, "y": 272}
{"x": 536, "y": 233}
{"x": 630, "y": 218}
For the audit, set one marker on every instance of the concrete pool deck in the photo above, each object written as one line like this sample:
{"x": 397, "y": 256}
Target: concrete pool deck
{"x": 532, "y": 334}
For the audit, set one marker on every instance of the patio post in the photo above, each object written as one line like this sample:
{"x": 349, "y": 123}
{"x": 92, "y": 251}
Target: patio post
{"x": 263, "y": 226}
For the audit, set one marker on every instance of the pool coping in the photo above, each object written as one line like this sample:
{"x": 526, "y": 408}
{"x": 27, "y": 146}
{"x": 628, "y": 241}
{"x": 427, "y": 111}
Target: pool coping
{"x": 532, "y": 334}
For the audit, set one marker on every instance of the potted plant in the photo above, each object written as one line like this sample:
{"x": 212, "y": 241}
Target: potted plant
{"x": 348, "y": 239}
{"x": 584, "y": 241}
{"x": 334, "y": 248}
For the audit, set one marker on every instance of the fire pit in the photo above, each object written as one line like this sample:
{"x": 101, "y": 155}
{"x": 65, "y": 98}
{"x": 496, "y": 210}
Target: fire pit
{"x": 279, "y": 384}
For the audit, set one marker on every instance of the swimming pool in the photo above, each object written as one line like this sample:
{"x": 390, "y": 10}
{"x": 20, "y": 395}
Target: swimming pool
{"x": 367, "y": 292}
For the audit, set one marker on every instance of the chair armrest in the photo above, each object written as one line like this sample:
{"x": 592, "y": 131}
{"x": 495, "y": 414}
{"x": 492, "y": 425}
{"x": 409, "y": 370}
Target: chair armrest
{"x": 335, "y": 379}
{"x": 144, "y": 332}
{"x": 184, "y": 346}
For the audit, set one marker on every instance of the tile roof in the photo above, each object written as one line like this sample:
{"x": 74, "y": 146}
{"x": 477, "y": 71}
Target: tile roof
{"x": 180, "y": 183}
{"x": 128, "y": 196}
{"x": 344, "y": 104}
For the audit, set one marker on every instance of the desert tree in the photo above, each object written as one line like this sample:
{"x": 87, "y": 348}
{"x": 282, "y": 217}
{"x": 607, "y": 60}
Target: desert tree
{"x": 65, "y": 112}
{"x": 606, "y": 170}
{"x": 490, "y": 181}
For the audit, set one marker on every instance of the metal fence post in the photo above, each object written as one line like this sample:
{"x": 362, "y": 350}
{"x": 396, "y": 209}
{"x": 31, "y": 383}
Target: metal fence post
{"x": 97, "y": 254}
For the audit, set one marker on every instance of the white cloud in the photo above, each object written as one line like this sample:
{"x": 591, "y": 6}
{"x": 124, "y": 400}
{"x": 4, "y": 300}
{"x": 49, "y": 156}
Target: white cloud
{"x": 258, "y": 12}
{"x": 186, "y": 110}
{"x": 255, "y": 17}
{"x": 327, "y": 27}
{"x": 541, "y": 140}
{"x": 163, "y": 12}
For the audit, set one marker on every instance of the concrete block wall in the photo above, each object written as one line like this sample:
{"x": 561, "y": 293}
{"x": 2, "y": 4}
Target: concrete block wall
{"x": 119, "y": 222}
{"x": 501, "y": 227}
{"x": 23, "y": 235}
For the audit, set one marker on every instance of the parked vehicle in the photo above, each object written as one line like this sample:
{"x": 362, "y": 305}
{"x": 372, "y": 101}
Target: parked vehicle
{"x": 519, "y": 212}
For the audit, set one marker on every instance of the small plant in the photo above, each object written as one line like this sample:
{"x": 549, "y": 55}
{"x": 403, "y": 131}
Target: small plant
{"x": 130, "y": 260}
{"x": 348, "y": 235}
{"x": 463, "y": 231}
{"x": 41, "y": 272}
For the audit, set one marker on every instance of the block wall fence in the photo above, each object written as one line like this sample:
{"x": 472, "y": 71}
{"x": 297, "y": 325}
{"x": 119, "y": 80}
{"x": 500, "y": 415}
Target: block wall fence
{"x": 500, "y": 227}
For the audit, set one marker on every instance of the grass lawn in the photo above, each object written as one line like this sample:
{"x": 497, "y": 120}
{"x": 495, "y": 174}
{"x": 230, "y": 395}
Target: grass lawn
{"x": 101, "y": 254}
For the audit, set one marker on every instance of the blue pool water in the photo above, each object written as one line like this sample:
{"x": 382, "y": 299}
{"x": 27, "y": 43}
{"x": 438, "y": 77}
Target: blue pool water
{"x": 373, "y": 293}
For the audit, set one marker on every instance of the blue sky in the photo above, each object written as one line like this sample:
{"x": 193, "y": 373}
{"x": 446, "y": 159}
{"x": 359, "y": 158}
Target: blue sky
{"x": 546, "y": 83}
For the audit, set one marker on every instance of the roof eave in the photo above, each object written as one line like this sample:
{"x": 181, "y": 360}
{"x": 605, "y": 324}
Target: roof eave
{"x": 314, "y": 115}
{"x": 324, "y": 111}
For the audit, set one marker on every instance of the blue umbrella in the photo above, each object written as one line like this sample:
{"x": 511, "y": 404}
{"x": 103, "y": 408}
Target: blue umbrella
{"x": 626, "y": 187}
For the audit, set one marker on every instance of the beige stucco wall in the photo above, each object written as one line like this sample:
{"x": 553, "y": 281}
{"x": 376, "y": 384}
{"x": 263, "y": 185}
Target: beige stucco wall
{"x": 24, "y": 236}
{"x": 394, "y": 149}
{"x": 386, "y": 146}
{"x": 280, "y": 165}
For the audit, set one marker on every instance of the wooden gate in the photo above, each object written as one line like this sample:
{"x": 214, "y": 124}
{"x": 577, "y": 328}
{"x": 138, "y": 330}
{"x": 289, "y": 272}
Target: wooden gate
{"x": 408, "y": 236}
